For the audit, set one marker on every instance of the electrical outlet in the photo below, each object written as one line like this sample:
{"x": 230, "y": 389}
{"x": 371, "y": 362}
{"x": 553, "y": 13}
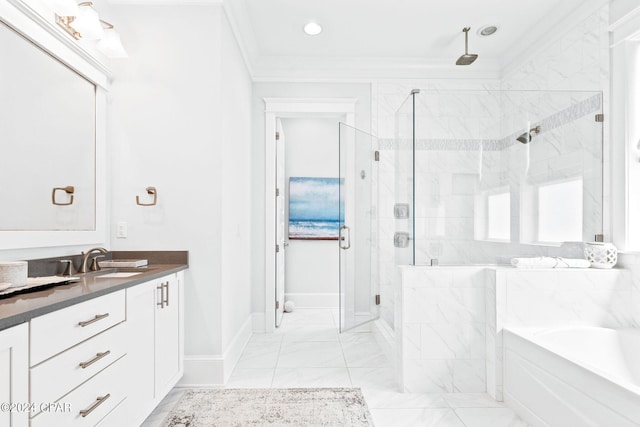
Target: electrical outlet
{"x": 122, "y": 230}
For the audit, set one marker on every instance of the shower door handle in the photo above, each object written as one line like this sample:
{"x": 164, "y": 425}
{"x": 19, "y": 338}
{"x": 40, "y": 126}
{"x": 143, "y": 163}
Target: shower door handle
{"x": 345, "y": 242}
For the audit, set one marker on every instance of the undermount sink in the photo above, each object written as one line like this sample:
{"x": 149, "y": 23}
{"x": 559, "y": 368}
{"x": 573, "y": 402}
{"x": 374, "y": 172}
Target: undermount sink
{"x": 118, "y": 275}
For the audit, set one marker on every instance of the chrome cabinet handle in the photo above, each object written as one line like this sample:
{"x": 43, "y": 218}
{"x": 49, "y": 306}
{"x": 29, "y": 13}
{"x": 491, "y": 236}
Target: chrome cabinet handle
{"x": 95, "y": 319}
{"x": 167, "y": 296}
{"x": 99, "y": 356}
{"x": 99, "y": 401}
{"x": 343, "y": 239}
{"x": 161, "y": 288}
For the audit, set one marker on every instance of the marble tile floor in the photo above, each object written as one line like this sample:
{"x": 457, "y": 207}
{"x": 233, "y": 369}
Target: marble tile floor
{"x": 307, "y": 351}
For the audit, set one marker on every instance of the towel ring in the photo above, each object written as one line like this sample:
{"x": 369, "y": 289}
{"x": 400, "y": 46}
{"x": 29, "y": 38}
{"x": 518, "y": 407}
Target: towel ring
{"x": 152, "y": 192}
{"x": 68, "y": 189}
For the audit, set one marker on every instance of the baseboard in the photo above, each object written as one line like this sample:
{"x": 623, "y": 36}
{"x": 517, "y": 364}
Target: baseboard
{"x": 236, "y": 347}
{"x": 257, "y": 323}
{"x": 202, "y": 371}
{"x": 214, "y": 370}
{"x": 386, "y": 338}
{"x": 318, "y": 300}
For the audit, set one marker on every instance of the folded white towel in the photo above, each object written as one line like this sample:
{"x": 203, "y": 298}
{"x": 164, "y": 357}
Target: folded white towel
{"x": 549, "y": 262}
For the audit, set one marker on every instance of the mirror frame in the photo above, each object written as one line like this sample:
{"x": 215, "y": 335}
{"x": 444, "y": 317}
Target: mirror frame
{"x": 29, "y": 23}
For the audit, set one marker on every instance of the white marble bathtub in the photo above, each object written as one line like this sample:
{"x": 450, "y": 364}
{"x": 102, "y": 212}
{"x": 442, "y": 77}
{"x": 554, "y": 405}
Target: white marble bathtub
{"x": 578, "y": 376}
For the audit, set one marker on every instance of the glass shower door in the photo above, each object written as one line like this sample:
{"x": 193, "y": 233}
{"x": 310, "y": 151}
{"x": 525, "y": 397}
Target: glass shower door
{"x": 359, "y": 287}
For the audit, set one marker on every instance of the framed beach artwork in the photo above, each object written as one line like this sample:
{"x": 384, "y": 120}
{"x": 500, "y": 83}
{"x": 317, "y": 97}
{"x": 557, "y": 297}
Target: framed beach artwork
{"x": 314, "y": 208}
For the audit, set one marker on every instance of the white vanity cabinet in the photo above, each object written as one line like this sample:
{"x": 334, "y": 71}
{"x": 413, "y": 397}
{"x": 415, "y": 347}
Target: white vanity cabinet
{"x": 14, "y": 356}
{"x": 156, "y": 343}
{"x": 78, "y": 360}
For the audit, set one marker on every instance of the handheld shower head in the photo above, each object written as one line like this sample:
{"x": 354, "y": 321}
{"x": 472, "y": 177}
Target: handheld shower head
{"x": 467, "y": 58}
{"x": 526, "y": 137}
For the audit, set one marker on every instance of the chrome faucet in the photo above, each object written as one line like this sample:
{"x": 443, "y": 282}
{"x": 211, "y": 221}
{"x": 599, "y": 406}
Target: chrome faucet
{"x": 85, "y": 257}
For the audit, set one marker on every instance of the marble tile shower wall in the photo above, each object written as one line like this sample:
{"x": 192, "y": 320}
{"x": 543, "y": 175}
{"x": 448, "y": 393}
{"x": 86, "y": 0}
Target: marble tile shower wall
{"x": 441, "y": 330}
{"x": 579, "y": 60}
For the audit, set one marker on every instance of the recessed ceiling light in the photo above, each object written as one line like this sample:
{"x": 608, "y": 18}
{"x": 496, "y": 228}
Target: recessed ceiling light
{"x": 487, "y": 30}
{"x": 313, "y": 29}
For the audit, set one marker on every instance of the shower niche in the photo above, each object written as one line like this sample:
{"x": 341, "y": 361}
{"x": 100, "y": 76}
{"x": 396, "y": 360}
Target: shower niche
{"x": 489, "y": 175}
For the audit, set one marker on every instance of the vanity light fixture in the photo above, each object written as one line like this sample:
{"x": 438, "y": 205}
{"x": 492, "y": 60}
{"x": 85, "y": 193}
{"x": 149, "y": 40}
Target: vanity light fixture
{"x": 84, "y": 23}
{"x": 88, "y": 22}
{"x": 65, "y": 7}
{"x": 313, "y": 28}
{"x": 110, "y": 44}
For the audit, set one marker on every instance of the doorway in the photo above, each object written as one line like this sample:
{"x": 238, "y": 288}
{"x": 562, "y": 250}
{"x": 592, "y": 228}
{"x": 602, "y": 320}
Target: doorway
{"x": 276, "y": 110}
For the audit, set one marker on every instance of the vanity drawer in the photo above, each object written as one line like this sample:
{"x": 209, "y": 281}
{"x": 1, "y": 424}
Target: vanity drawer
{"x": 119, "y": 417}
{"x": 94, "y": 399}
{"x": 55, "y": 377}
{"x": 55, "y": 332}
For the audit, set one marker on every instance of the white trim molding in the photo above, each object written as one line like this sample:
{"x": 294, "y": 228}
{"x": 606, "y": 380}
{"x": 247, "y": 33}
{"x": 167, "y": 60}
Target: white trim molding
{"x": 215, "y": 370}
{"x": 342, "y": 108}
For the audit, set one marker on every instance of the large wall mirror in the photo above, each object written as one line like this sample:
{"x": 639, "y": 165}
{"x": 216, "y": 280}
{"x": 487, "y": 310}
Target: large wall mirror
{"x": 52, "y": 142}
{"x": 47, "y": 138}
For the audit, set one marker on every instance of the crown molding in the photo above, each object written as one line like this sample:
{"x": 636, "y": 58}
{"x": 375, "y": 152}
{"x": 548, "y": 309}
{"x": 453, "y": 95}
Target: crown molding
{"x": 322, "y": 69}
{"x": 166, "y": 2}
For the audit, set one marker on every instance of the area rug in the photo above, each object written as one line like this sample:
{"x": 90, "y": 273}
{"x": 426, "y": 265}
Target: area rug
{"x": 299, "y": 407}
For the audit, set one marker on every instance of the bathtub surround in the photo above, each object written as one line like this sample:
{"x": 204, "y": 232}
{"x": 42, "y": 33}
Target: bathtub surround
{"x": 550, "y": 262}
{"x": 450, "y": 320}
{"x": 573, "y": 376}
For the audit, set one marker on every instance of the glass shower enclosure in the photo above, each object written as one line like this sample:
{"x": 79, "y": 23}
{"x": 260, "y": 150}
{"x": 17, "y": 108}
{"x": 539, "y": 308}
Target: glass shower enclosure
{"x": 481, "y": 176}
{"x": 358, "y": 221}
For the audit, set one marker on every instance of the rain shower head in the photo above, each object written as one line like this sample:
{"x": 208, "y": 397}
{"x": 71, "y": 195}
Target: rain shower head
{"x": 526, "y": 137}
{"x": 467, "y": 58}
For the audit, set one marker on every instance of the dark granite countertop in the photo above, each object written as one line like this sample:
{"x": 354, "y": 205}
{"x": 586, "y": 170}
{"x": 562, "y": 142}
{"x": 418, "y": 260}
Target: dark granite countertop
{"x": 22, "y": 308}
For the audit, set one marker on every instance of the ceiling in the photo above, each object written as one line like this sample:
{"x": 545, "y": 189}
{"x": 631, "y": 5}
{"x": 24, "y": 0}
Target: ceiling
{"x": 382, "y": 36}
{"x": 378, "y": 39}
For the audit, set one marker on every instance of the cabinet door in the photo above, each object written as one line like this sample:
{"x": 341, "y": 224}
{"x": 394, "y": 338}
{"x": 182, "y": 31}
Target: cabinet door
{"x": 141, "y": 301}
{"x": 14, "y": 374}
{"x": 168, "y": 359}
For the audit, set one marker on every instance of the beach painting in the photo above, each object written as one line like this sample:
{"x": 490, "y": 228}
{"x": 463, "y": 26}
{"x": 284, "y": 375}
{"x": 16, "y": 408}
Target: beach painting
{"x": 314, "y": 208}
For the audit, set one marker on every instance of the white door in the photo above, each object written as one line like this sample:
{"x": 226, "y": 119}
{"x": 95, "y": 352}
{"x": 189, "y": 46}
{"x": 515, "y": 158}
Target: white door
{"x": 280, "y": 222}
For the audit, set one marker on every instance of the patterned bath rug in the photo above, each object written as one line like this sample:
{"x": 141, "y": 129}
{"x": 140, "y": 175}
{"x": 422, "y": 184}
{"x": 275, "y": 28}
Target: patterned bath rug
{"x": 292, "y": 407}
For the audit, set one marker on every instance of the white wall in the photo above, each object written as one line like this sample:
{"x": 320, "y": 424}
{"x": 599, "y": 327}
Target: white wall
{"x": 286, "y": 90}
{"x": 235, "y": 146}
{"x": 178, "y": 122}
{"x": 312, "y": 267}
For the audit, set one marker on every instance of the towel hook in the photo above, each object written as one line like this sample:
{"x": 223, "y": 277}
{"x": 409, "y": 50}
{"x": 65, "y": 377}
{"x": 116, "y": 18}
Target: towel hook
{"x": 152, "y": 192}
{"x": 68, "y": 189}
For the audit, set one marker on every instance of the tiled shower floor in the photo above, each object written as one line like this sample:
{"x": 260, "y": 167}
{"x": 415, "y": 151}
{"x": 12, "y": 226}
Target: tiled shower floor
{"x": 307, "y": 351}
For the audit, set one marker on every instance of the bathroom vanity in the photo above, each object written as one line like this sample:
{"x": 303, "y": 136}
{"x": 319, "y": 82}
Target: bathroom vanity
{"x": 103, "y": 351}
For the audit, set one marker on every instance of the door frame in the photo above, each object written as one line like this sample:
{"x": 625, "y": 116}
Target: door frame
{"x": 288, "y": 108}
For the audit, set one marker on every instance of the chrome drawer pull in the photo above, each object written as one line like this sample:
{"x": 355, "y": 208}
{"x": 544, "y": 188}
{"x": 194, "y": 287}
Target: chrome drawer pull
{"x": 95, "y": 319}
{"x": 161, "y": 303}
{"x": 99, "y": 401}
{"x": 95, "y": 359}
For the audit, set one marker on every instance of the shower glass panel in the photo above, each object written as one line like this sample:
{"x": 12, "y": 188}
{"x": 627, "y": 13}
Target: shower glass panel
{"x": 499, "y": 174}
{"x": 358, "y": 221}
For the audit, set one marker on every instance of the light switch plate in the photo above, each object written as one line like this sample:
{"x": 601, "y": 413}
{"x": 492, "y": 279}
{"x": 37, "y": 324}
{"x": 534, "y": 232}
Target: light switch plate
{"x": 122, "y": 230}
